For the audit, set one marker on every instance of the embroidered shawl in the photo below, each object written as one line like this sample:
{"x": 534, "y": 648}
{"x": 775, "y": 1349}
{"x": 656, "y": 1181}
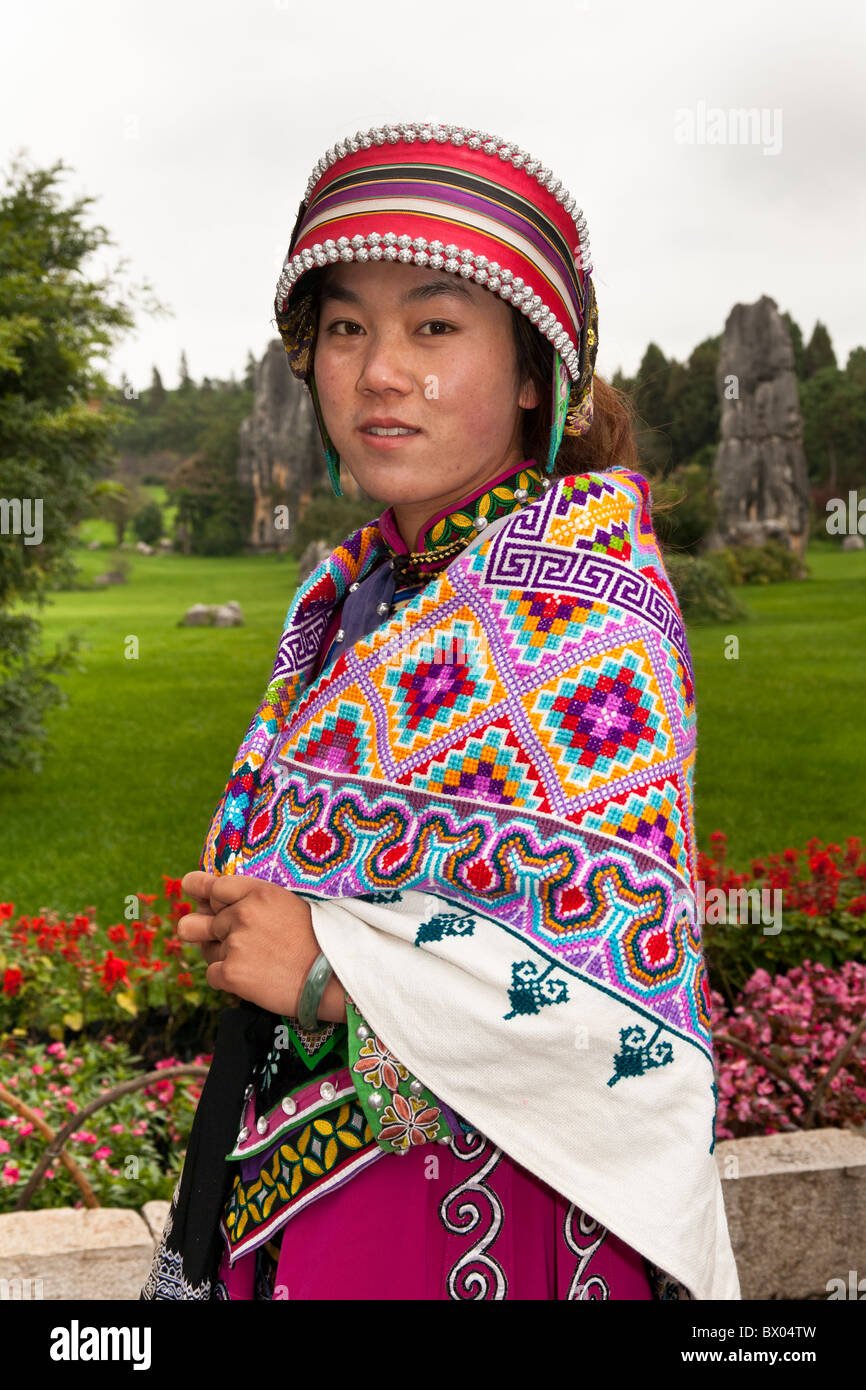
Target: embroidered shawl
{"x": 489, "y": 805}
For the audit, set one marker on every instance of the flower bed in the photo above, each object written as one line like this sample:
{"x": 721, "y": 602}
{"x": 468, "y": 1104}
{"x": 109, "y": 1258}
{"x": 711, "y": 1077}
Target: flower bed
{"x": 83, "y": 1008}
{"x": 823, "y": 900}
{"x": 791, "y": 1054}
{"x": 65, "y": 977}
{"x": 129, "y": 1151}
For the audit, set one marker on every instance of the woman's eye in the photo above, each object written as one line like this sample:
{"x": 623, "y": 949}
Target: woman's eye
{"x": 340, "y": 323}
{"x": 438, "y": 323}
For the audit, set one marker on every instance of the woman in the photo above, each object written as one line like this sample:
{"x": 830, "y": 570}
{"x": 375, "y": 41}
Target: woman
{"x": 452, "y": 874}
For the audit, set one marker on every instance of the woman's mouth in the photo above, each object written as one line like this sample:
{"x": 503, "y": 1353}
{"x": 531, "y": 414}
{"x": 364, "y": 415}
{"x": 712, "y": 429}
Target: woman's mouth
{"x": 387, "y": 436}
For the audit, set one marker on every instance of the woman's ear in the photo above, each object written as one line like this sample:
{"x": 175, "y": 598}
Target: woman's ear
{"x": 528, "y": 397}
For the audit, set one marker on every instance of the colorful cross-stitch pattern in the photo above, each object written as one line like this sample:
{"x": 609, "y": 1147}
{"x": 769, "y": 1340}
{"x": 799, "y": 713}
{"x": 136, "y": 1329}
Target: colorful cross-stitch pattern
{"x": 519, "y": 738}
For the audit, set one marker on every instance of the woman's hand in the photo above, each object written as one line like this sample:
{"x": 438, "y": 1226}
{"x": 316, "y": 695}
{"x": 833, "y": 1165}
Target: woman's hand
{"x": 258, "y": 941}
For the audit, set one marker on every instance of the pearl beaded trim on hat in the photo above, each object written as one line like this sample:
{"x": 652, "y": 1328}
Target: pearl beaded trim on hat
{"x": 392, "y": 246}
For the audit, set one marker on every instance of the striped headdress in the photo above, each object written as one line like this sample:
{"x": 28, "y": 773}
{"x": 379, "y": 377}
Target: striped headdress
{"x": 464, "y": 202}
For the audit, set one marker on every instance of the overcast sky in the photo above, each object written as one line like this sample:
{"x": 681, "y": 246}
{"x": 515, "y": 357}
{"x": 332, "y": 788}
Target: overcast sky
{"x": 196, "y": 125}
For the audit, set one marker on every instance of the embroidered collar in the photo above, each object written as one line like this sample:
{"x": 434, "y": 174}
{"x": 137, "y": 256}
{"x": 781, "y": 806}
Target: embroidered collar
{"x": 448, "y": 530}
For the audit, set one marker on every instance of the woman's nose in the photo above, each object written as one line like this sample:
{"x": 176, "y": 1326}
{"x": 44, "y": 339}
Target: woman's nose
{"x": 385, "y": 364}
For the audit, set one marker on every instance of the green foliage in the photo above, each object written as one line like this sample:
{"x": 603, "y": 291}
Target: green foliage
{"x": 214, "y": 512}
{"x": 332, "y": 519}
{"x": 683, "y": 508}
{"x": 819, "y": 351}
{"x": 833, "y": 404}
{"x": 757, "y": 564}
{"x": 701, "y": 589}
{"x": 55, "y": 425}
{"x": 148, "y": 523}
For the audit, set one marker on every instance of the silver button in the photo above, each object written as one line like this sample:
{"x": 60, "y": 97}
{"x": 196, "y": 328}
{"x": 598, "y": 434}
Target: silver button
{"x": 376, "y": 1099}
{"x": 244, "y": 1134}
{"x": 362, "y": 1031}
{"x": 262, "y": 1125}
{"x": 382, "y": 607}
{"x": 340, "y": 635}
{"x": 353, "y": 587}
{"x": 327, "y": 1090}
{"x": 416, "y": 1087}
{"x": 480, "y": 523}
{"x": 521, "y": 494}
{"x": 288, "y": 1105}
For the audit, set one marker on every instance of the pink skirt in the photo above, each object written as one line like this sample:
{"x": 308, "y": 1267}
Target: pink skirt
{"x": 455, "y": 1220}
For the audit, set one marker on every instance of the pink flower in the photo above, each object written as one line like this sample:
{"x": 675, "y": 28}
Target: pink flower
{"x": 49, "y": 1172}
{"x": 103, "y": 1152}
{"x": 4, "y": 1146}
{"x": 11, "y": 1173}
{"x": 26, "y": 1129}
{"x": 36, "y": 1069}
{"x": 56, "y": 1049}
{"x": 115, "y": 1129}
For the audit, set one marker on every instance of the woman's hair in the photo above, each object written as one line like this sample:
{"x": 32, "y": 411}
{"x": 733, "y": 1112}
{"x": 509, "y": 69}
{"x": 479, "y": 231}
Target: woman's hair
{"x": 610, "y": 442}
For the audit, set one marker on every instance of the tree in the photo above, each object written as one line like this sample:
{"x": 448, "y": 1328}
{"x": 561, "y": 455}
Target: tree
{"x": 156, "y": 394}
{"x": 186, "y": 381}
{"x": 693, "y": 402}
{"x": 56, "y": 420}
{"x": 650, "y": 394}
{"x": 855, "y": 367}
{"x": 250, "y": 371}
{"x": 819, "y": 351}
{"x": 797, "y": 345}
{"x": 148, "y": 523}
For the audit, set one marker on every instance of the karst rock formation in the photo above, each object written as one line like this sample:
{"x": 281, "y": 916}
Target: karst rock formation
{"x": 760, "y": 472}
{"x": 281, "y": 457}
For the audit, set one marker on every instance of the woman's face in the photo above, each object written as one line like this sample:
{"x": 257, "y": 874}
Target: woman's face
{"x": 399, "y": 344}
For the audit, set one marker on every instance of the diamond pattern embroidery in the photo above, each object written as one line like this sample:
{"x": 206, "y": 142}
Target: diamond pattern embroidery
{"x": 439, "y": 687}
{"x": 608, "y": 719}
{"x": 649, "y": 818}
{"x": 489, "y": 768}
{"x": 337, "y": 740}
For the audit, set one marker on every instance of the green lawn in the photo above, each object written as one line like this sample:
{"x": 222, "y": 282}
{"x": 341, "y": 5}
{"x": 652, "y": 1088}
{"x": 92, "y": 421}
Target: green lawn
{"x": 781, "y": 739}
{"x": 140, "y": 756}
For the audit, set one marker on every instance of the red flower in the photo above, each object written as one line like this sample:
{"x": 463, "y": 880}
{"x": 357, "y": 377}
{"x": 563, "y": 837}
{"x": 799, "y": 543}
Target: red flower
{"x": 6, "y": 910}
{"x": 184, "y": 978}
{"x": 172, "y": 887}
{"x": 118, "y": 933}
{"x": 12, "y": 979}
{"x": 113, "y": 971}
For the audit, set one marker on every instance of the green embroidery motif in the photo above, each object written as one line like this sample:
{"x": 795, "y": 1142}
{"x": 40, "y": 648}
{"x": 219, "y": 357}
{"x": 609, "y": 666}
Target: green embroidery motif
{"x": 636, "y": 1056}
{"x": 444, "y": 924}
{"x": 531, "y": 990}
{"x": 400, "y": 1111}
